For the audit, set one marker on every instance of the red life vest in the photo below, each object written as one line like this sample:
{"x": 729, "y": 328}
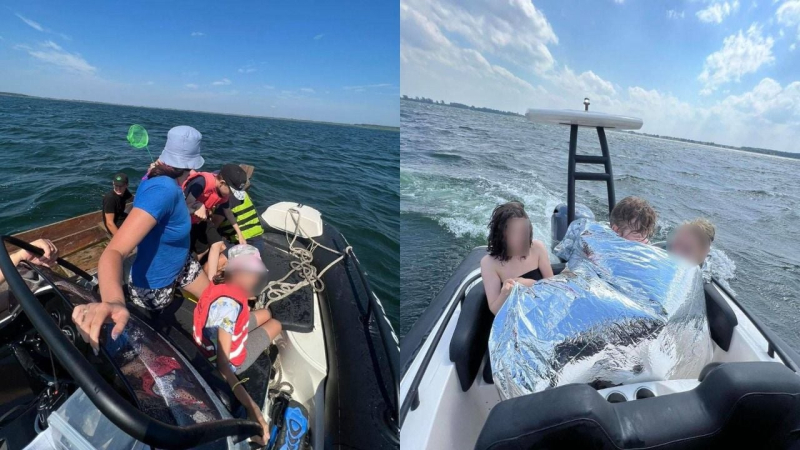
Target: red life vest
{"x": 209, "y": 198}
{"x": 210, "y": 295}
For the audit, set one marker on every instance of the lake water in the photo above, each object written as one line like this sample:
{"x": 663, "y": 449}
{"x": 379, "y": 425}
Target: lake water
{"x": 58, "y": 157}
{"x": 457, "y": 165}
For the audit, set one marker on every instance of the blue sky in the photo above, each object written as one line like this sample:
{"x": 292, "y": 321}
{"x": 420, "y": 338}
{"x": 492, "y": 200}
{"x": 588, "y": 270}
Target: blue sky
{"x": 724, "y": 71}
{"x": 332, "y": 61}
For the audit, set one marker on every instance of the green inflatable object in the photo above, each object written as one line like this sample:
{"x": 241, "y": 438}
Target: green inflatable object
{"x": 138, "y": 138}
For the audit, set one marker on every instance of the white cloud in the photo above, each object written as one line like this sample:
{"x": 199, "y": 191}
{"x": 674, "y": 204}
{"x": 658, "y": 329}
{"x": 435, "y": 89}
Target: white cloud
{"x": 717, "y": 12}
{"x": 247, "y": 69}
{"x": 52, "y": 53}
{"x": 567, "y": 89}
{"x": 425, "y": 51}
{"x": 307, "y": 90}
{"x": 269, "y": 86}
{"x": 741, "y": 54}
{"x": 191, "y": 86}
{"x": 38, "y": 27}
{"x": 444, "y": 65}
{"x": 768, "y": 101}
{"x": 222, "y": 82}
{"x": 31, "y": 23}
{"x": 366, "y": 87}
{"x": 514, "y": 30}
{"x": 319, "y": 36}
{"x": 789, "y": 14}
{"x": 673, "y": 14}
{"x": 197, "y": 34}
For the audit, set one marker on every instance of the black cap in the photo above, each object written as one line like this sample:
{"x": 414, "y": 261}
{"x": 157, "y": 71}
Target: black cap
{"x": 120, "y": 179}
{"x": 235, "y": 177}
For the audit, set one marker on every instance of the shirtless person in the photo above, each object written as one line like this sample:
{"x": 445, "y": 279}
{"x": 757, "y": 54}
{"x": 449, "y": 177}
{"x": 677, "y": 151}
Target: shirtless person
{"x": 514, "y": 256}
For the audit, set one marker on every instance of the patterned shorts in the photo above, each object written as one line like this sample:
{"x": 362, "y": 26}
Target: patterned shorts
{"x": 155, "y": 299}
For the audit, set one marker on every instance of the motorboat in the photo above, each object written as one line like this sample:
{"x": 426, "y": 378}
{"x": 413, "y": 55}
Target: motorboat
{"x": 333, "y": 366}
{"x": 748, "y": 396}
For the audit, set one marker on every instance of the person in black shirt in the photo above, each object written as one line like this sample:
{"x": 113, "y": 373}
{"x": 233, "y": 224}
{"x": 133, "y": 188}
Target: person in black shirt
{"x": 114, "y": 203}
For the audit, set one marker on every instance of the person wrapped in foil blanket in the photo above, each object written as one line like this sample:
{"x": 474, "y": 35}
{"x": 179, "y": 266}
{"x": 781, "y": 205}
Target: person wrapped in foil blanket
{"x": 620, "y": 312}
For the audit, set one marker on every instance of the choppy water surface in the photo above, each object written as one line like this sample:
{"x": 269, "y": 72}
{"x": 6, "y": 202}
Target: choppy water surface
{"x": 457, "y": 165}
{"x": 58, "y": 158}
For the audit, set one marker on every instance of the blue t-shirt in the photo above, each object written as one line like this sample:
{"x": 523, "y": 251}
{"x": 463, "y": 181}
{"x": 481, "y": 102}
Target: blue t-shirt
{"x": 162, "y": 253}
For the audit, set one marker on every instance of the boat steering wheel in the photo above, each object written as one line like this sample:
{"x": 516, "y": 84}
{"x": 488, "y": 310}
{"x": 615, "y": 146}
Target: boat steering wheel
{"x": 110, "y": 403}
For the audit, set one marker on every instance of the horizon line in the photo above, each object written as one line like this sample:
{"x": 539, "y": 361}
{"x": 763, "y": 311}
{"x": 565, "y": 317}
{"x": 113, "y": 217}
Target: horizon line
{"x": 341, "y": 124}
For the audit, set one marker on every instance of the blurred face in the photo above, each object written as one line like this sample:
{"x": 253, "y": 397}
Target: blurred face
{"x": 245, "y": 280}
{"x": 119, "y": 190}
{"x": 688, "y": 246}
{"x": 518, "y": 234}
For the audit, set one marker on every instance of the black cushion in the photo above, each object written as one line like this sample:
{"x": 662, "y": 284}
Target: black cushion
{"x": 471, "y": 336}
{"x": 721, "y": 318}
{"x": 737, "y": 405}
{"x": 487, "y": 370}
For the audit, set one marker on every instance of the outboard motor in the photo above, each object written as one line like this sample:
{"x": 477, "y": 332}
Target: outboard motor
{"x": 559, "y": 222}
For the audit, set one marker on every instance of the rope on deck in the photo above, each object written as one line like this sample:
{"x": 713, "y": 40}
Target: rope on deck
{"x": 280, "y": 289}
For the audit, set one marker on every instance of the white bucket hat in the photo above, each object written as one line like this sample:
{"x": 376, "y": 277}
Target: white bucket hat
{"x": 182, "y": 150}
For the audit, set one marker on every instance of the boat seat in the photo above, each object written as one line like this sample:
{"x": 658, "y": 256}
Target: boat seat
{"x": 295, "y": 312}
{"x": 737, "y": 405}
{"x": 721, "y": 318}
{"x": 470, "y": 339}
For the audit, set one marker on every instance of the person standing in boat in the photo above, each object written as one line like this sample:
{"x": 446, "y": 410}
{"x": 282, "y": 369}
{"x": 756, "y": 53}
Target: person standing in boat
{"x": 205, "y": 192}
{"x": 514, "y": 256}
{"x": 246, "y": 217}
{"x": 114, "y": 203}
{"x": 158, "y": 228}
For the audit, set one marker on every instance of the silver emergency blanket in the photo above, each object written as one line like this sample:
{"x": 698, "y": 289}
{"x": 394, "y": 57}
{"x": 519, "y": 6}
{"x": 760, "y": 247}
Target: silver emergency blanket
{"x": 621, "y": 312}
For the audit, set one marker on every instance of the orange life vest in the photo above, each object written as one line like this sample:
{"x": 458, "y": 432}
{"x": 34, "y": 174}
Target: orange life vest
{"x": 210, "y": 295}
{"x": 209, "y": 198}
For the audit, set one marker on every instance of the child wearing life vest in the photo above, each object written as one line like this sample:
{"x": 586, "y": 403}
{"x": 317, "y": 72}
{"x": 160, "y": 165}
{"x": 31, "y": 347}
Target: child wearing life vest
{"x": 225, "y": 326}
{"x": 204, "y": 192}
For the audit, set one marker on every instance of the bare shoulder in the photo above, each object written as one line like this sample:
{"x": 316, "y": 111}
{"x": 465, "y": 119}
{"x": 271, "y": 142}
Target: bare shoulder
{"x": 487, "y": 262}
{"x": 538, "y": 246}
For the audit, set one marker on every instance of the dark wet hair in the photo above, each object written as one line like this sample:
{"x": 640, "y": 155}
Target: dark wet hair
{"x": 497, "y": 228}
{"x": 166, "y": 171}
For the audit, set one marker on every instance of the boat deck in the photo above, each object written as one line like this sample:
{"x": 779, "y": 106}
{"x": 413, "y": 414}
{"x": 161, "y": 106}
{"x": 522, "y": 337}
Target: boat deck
{"x": 80, "y": 240}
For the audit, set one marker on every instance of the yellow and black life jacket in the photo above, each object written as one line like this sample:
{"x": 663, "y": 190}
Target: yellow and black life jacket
{"x": 247, "y": 218}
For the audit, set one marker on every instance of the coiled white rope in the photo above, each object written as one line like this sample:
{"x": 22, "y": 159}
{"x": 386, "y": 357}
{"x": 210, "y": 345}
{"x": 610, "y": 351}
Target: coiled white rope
{"x": 280, "y": 289}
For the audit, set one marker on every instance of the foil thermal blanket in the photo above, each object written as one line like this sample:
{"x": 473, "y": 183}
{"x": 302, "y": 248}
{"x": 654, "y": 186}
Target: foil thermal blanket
{"x": 621, "y": 312}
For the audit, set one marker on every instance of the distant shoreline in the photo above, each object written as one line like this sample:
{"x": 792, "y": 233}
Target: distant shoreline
{"x": 340, "y": 124}
{"x": 459, "y": 105}
{"x": 761, "y": 151}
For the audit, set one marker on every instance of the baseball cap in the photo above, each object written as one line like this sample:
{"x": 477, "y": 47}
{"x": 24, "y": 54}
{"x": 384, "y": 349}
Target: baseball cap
{"x": 244, "y": 257}
{"x": 120, "y": 179}
{"x": 236, "y": 179}
{"x": 182, "y": 150}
